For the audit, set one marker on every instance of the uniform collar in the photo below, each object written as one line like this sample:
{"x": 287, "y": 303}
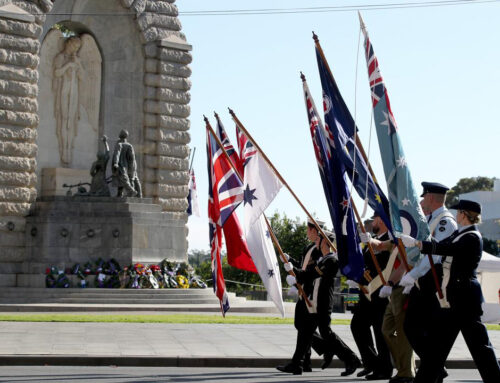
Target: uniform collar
{"x": 438, "y": 211}
{"x": 467, "y": 228}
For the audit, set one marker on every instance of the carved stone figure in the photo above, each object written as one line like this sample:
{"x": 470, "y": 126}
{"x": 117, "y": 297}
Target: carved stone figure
{"x": 76, "y": 79}
{"x": 125, "y": 168}
{"x": 99, "y": 185}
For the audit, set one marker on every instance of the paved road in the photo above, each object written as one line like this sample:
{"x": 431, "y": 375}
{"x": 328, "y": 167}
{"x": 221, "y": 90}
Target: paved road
{"x": 184, "y": 375}
{"x": 168, "y": 340}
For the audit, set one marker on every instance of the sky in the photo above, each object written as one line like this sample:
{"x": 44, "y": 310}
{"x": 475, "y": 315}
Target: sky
{"x": 440, "y": 66}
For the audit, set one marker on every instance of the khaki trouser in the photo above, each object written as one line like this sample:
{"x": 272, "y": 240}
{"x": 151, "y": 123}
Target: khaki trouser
{"x": 392, "y": 328}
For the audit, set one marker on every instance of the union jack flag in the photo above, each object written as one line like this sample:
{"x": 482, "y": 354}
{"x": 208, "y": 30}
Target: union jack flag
{"x": 225, "y": 193}
{"x": 246, "y": 148}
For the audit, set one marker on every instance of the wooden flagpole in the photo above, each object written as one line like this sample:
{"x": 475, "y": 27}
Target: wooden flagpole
{"x": 273, "y": 236}
{"x": 318, "y": 227}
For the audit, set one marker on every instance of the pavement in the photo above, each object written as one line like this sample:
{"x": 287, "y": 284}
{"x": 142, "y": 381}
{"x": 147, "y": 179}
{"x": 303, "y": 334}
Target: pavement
{"x": 169, "y": 345}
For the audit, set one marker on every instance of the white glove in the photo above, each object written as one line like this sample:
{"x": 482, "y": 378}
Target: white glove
{"x": 293, "y": 291}
{"x": 365, "y": 237}
{"x": 385, "y": 291}
{"x": 352, "y": 284}
{"x": 407, "y": 289}
{"x": 408, "y": 241}
{"x": 407, "y": 281}
{"x": 286, "y": 256}
{"x": 288, "y": 266}
{"x": 291, "y": 280}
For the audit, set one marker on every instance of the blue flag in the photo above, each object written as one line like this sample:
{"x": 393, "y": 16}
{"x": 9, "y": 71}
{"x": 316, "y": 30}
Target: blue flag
{"x": 332, "y": 174}
{"x": 341, "y": 129}
{"x": 406, "y": 214}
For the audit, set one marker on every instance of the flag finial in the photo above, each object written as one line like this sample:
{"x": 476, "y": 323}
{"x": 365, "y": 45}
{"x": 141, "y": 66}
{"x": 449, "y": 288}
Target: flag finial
{"x": 302, "y": 76}
{"x": 315, "y": 37}
{"x": 231, "y": 112}
{"x": 216, "y": 115}
{"x": 361, "y": 22}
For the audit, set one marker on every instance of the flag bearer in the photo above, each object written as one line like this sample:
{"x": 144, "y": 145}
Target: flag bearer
{"x": 322, "y": 276}
{"x": 462, "y": 255}
{"x": 423, "y": 304}
{"x": 303, "y": 321}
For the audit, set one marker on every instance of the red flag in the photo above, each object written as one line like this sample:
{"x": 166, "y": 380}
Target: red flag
{"x": 238, "y": 254}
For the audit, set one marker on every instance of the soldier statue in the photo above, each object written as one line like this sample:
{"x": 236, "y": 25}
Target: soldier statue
{"x": 124, "y": 168}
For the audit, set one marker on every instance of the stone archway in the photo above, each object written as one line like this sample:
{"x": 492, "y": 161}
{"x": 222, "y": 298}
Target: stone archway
{"x": 161, "y": 126}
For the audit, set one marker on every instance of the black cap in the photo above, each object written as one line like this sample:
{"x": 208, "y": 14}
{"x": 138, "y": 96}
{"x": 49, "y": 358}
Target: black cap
{"x": 464, "y": 204}
{"x": 375, "y": 215}
{"x": 434, "y": 187}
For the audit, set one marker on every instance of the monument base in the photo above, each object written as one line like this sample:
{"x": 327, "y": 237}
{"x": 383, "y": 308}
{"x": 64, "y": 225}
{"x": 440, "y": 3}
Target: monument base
{"x": 64, "y": 231}
{"x": 53, "y": 180}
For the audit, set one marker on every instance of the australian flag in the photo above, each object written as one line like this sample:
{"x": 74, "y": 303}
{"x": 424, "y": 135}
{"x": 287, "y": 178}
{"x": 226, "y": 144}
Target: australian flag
{"x": 406, "y": 214}
{"x": 341, "y": 130}
{"x": 332, "y": 173}
{"x": 225, "y": 193}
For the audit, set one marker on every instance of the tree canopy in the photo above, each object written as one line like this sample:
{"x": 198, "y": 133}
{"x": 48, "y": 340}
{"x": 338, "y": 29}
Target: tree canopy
{"x": 467, "y": 185}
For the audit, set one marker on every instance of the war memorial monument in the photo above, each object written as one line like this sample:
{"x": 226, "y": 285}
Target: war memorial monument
{"x": 75, "y": 75}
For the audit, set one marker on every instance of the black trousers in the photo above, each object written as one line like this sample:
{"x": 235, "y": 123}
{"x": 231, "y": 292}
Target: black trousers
{"x": 369, "y": 315}
{"x": 423, "y": 316}
{"x": 476, "y": 337}
{"x": 326, "y": 342}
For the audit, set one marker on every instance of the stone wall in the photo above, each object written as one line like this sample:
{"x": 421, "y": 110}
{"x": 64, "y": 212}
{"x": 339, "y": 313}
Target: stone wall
{"x": 165, "y": 115}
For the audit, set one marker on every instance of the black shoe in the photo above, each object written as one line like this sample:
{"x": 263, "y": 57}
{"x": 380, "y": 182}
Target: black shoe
{"x": 307, "y": 369}
{"x": 290, "y": 368}
{"x": 327, "y": 359}
{"x": 365, "y": 371}
{"x": 351, "y": 366}
{"x": 378, "y": 376}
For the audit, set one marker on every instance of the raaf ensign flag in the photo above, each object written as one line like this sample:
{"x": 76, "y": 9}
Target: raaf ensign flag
{"x": 406, "y": 214}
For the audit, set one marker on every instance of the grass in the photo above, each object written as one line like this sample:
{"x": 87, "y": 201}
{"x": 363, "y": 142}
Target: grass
{"x": 162, "y": 318}
{"x": 153, "y": 318}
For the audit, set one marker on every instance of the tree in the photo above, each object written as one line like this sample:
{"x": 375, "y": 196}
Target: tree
{"x": 491, "y": 246}
{"x": 467, "y": 185}
{"x": 197, "y": 257}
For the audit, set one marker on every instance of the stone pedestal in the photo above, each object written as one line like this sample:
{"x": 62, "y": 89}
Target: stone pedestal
{"x": 63, "y": 231}
{"x": 53, "y": 180}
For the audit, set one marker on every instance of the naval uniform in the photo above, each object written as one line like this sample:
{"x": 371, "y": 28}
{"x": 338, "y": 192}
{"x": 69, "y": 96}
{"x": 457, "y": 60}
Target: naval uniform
{"x": 303, "y": 321}
{"x": 369, "y": 314}
{"x": 321, "y": 275}
{"x": 462, "y": 255}
{"x": 423, "y": 305}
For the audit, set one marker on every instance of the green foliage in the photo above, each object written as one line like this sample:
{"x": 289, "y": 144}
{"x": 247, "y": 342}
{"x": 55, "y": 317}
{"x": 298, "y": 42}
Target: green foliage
{"x": 197, "y": 257}
{"x": 67, "y": 32}
{"x": 491, "y": 246}
{"x": 466, "y": 185}
{"x": 292, "y": 237}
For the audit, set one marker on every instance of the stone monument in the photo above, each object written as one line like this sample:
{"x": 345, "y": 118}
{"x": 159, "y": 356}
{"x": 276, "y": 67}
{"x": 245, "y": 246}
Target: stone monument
{"x": 66, "y": 79}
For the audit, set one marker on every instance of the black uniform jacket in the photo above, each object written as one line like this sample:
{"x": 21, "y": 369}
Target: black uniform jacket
{"x": 382, "y": 259}
{"x": 463, "y": 291}
{"x": 297, "y": 264}
{"x": 324, "y": 270}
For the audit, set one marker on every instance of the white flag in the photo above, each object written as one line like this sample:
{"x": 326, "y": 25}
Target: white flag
{"x": 261, "y": 186}
{"x": 262, "y": 250}
{"x": 193, "y": 207}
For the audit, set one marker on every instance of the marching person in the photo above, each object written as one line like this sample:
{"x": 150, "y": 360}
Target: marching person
{"x": 423, "y": 305}
{"x": 303, "y": 321}
{"x": 462, "y": 253}
{"x": 369, "y": 314}
{"x": 322, "y": 276}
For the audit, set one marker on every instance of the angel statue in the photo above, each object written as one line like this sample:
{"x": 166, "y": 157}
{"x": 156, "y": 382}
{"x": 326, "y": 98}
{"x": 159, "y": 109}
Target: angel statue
{"x": 76, "y": 85}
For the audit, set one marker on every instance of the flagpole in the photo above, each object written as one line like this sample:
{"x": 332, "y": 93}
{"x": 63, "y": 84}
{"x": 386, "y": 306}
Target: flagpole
{"x": 275, "y": 240}
{"x": 320, "y": 230}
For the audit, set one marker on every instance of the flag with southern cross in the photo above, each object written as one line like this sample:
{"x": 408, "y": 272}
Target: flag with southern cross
{"x": 261, "y": 187}
{"x": 341, "y": 129}
{"x": 225, "y": 193}
{"x": 238, "y": 254}
{"x": 193, "y": 207}
{"x": 332, "y": 174}
{"x": 406, "y": 214}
